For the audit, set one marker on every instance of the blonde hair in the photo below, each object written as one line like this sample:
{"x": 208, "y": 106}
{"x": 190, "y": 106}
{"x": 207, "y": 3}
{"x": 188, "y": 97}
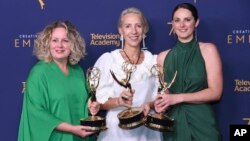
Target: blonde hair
{"x": 77, "y": 50}
{"x": 136, "y": 11}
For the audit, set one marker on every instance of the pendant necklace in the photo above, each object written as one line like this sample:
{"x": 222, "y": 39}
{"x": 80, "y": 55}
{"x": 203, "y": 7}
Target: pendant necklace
{"x": 131, "y": 62}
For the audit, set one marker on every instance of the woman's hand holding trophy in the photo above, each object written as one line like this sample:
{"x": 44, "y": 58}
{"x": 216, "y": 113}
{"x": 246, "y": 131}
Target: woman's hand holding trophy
{"x": 96, "y": 123}
{"x": 133, "y": 116}
{"x": 160, "y": 121}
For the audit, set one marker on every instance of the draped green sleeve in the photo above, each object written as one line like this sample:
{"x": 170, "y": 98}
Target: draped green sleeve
{"x": 50, "y": 99}
{"x": 36, "y": 121}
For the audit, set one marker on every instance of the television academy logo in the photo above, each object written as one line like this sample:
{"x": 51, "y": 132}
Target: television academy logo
{"x": 105, "y": 39}
{"x": 242, "y": 85}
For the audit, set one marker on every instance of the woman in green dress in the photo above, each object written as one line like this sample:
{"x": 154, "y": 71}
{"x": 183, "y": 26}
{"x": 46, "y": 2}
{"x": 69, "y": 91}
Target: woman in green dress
{"x": 56, "y": 98}
{"x": 198, "y": 82}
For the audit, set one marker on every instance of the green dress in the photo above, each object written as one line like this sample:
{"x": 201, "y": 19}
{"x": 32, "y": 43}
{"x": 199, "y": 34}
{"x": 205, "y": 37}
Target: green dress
{"x": 51, "y": 97}
{"x": 193, "y": 122}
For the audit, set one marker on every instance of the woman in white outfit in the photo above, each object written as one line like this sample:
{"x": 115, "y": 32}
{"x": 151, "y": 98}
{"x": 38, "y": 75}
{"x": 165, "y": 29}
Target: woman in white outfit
{"x": 132, "y": 28}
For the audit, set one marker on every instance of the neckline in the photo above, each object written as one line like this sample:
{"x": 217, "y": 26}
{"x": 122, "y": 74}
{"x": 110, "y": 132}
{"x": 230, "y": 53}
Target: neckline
{"x": 187, "y": 44}
{"x": 61, "y": 71}
{"x": 131, "y": 62}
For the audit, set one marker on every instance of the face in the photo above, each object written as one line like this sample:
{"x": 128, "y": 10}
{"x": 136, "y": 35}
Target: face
{"x": 184, "y": 24}
{"x": 132, "y": 29}
{"x": 59, "y": 45}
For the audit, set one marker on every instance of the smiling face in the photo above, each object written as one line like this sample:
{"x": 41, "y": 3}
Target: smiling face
{"x": 184, "y": 24}
{"x": 132, "y": 29}
{"x": 60, "y": 45}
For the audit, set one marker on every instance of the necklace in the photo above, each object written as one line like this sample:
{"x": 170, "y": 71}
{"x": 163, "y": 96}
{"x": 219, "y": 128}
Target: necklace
{"x": 131, "y": 62}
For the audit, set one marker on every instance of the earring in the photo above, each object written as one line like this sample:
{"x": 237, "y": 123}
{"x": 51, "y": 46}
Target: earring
{"x": 174, "y": 34}
{"x": 121, "y": 39}
{"x": 171, "y": 31}
{"x": 143, "y": 43}
{"x": 195, "y": 34}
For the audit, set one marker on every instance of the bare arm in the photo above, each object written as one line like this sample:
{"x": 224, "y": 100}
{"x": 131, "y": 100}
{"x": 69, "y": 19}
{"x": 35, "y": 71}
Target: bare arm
{"x": 214, "y": 76}
{"x": 160, "y": 59}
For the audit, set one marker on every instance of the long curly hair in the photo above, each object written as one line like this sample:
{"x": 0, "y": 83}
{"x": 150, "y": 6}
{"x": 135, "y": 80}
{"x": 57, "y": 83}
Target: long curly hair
{"x": 77, "y": 49}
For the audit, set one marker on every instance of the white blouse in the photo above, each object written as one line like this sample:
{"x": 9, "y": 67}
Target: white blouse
{"x": 145, "y": 86}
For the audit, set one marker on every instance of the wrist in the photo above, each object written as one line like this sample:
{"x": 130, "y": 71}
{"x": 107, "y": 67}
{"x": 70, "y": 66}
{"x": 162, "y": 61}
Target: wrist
{"x": 66, "y": 127}
{"x": 180, "y": 98}
{"x": 151, "y": 105}
{"x": 73, "y": 130}
{"x": 117, "y": 102}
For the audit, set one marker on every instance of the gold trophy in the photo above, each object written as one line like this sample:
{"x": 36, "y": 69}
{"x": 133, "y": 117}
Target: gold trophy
{"x": 133, "y": 116}
{"x": 96, "y": 123}
{"x": 160, "y": 121}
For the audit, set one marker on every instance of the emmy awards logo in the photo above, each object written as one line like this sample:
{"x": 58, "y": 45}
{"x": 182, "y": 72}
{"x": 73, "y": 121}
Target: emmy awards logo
{"x": 160, "y": 121}
{"x": 133, "y": 116}
{"x": 96, "y": 122}
{"x": 128, "y": 70}
{"x": 93, "y": 77}
{"x": 42, "y": 4}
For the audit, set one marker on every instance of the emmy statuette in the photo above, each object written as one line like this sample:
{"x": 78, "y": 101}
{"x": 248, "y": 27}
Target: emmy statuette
{"x": 160, "y": 121}
{"x": 96, "y": 123}
{"x": 132, "y": 117}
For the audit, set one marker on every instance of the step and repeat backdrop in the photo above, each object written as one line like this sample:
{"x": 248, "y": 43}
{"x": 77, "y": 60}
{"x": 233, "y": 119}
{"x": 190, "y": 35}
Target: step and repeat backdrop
{"x": 225, "y": 23}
